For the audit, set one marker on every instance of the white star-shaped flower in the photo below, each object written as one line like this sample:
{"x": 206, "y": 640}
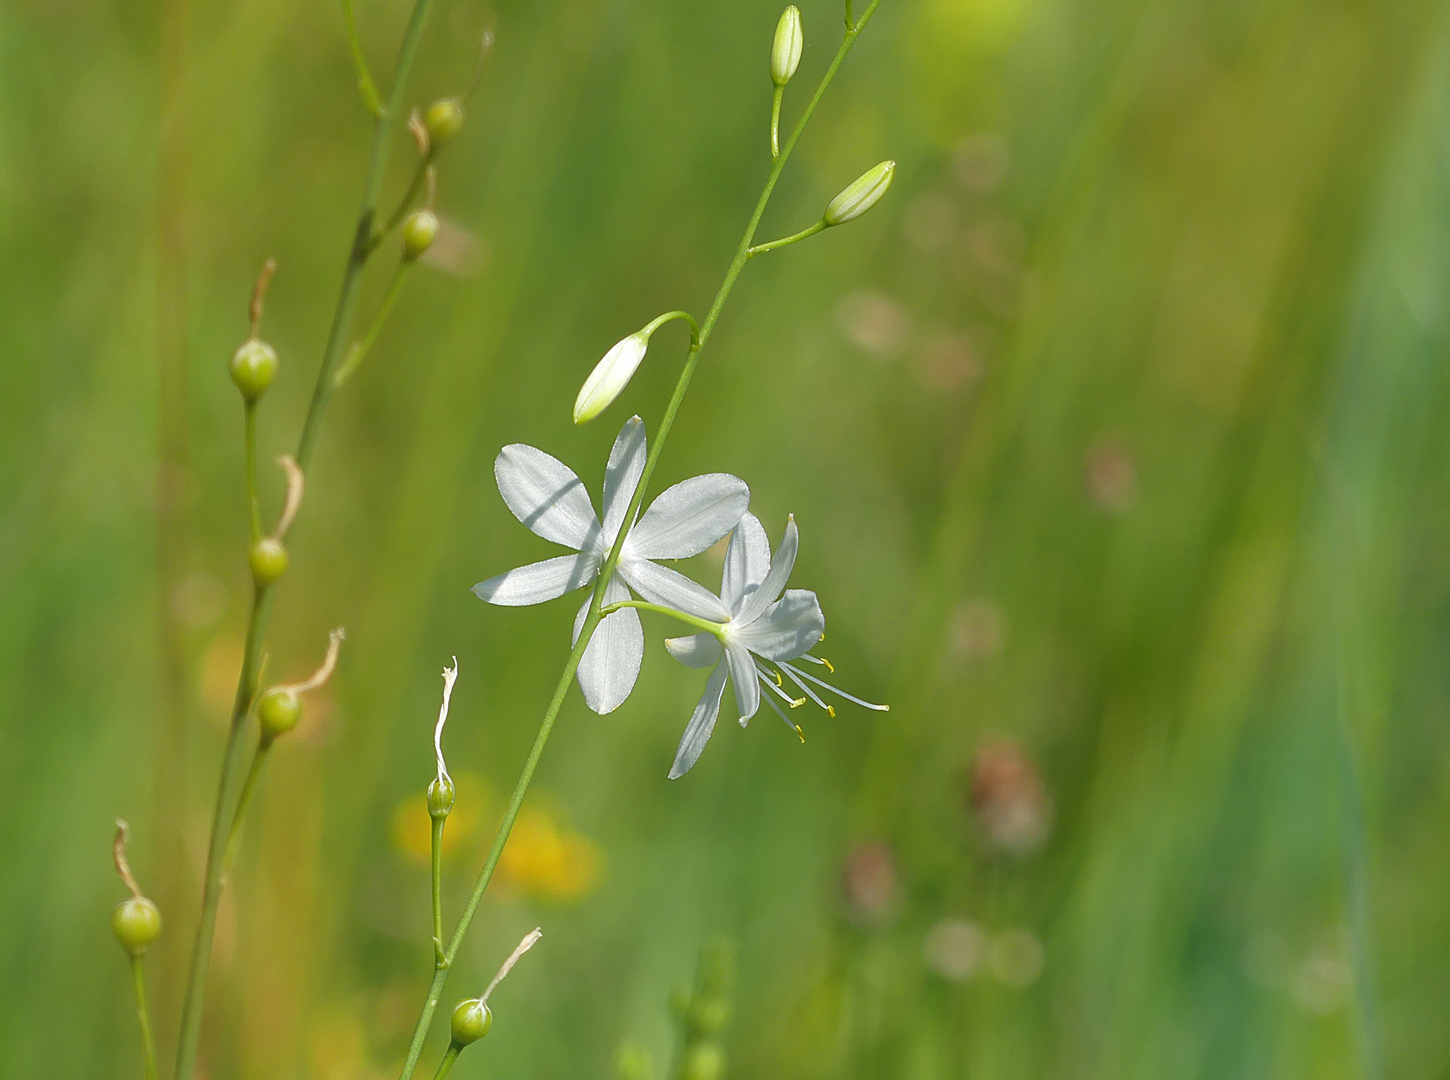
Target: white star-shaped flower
{"x": 684, "y": 520}
{"x": 763, "y": 625}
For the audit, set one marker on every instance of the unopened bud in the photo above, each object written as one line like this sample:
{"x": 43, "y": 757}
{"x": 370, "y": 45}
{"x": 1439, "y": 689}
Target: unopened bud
{"x": 443, "y": 119}
{"x": 440, "y": 798}
{"x": 861, "y": 195}
{"x": 471, "y": 1021}
{"x": 785, "y": 51}
{"x": 419, "y": 229}
{"x": 136, "y": 922}
{"x": 268, "y": 560}
{"x": 609, "y": 377}
{"x": 253, "y": 367}
{"x": 278, "y": 711}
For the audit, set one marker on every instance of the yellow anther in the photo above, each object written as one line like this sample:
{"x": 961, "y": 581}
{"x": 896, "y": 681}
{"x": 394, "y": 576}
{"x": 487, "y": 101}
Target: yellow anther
{"x": 777, "y": 679}
{"x": 797, "y": 703}
{"x": 801, "y": 735}
{"x": 830, "y": 711}
{"x": 829, "y": 667}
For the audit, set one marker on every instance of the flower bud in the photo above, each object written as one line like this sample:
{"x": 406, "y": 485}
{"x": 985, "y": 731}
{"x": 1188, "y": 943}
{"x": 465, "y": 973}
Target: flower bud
{"x": 268, "y": 560}
{"x": 253, "y": 367}
{"x": 136, "y": 922}
{"x": 440, "y": 798}
{"x": 861, "y": 195}
{"x": 278, "y": 711}
{"x": 419, "y": 229}
{"x": 785, "y": 50}
{"x": 443, "y": 119}
{"x": 704, "y": 1062}
{"x": 471, "y": 1021}
{"x": 609, "y": 377}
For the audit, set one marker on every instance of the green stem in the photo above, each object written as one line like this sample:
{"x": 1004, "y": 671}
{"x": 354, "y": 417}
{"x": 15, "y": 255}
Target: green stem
{"x": 446, "y": 1065}
{"x": 775, "y": 100}
{"x": 761, "y": 249}
{"x": 212, "y": 882}
{"x": 365, "y": 84}
{"x": 189, "y": 1033}
{"x": 595, "y": 613}
{"x": 249, "y": 786}
{"x": 255, "y": 522}
{"x": 360, "y": 349}
{"x": 655, "y": 324}
{"x": 362, "y": 236}
{"x": 437, "y": 865}
{"x": 684, "y": 617}
{"x": 143, "y": 1017}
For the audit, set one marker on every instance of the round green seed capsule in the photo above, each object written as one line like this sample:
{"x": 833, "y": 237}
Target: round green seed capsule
{"x": 278, "y": 711}
{"x": 706, "y": 1062}
{"x": 419, "y": 229}
{"x": 443, "y": 119}
{"x": 440, "y": 798}
{"x": 136, "y": 922}
{"x": 268, "y": 560}
{"x": 253, "y": 367}
{"x": 471, "y": 1021}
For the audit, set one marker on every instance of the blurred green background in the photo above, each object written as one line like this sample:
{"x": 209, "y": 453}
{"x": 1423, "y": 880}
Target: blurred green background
{"x": 1116, "y": 439}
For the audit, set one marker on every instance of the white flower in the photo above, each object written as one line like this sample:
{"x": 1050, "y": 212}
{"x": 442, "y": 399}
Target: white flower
{"x": 763, "y": 626}
{"x": 684, "y": 520}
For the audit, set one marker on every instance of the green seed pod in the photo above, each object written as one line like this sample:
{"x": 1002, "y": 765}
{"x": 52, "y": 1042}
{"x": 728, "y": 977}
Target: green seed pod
{"x": 440, "y": 798}
{"x": 268, "y": 560}
{"x": 471, "y": 1021}
{"x": 443, "y": 119}
{"x": 419, "y": 229}
{"x": 278, "y": 711}
{"x": 785, "y": 50}
{"x": 861, "y": 195}
{"x": 253, "y": 367}
{"x": 136, "y": 922}
{"x": 705, "y": 1062}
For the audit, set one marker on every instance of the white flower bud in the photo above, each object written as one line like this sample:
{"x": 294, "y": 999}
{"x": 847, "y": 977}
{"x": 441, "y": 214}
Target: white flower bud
{"x": 609, "y": 377}
{"x": 785, "y": 51}
{"x": 864, "y": 193}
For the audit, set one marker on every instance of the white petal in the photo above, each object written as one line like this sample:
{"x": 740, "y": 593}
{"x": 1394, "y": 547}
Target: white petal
{"x": 702, "y": 723}
{"x": 789, "y": 628}
{"x": 621, "y": 475}
{"x": 694, "y": 650}
{"x": 670, "y": 588}
{"x": 747, "y": 561}
{"x": 546, "y": 496}
{"x": 780, "y": 568}
{"x": 610, "y": 665}
{"x": 689, "y": 517}
{"x": 743, "y": 680}
{"x": 537, "y": 582}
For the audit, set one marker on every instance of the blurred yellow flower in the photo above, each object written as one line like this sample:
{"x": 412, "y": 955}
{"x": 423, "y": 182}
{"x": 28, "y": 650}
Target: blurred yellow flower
{"x": 545, "y": 861}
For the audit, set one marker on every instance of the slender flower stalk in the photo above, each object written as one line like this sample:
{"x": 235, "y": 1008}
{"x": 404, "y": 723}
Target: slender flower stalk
{"x": 385, "y": 123}
{"x": 143, "y": 1018}
{"x": 596, "y": 604}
